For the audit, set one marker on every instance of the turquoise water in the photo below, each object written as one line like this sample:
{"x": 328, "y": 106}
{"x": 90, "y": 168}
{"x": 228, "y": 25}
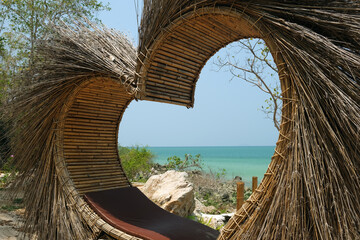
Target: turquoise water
{"x": 245, "y": 162}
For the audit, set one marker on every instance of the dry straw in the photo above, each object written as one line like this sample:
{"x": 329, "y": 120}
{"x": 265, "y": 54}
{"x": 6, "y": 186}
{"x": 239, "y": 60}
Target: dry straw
{"x": 73, "y": 55}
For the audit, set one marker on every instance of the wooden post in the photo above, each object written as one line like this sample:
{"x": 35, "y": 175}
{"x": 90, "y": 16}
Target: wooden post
{"x": 240, "y": 194}
{"x": 254, "y": 183}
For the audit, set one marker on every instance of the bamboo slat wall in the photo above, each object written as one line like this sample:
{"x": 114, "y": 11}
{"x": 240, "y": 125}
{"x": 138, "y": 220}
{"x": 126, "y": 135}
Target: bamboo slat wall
{"x": 172, "y": 68}
{"x": 88, "y": 157}
{"x": 90, "y": 136}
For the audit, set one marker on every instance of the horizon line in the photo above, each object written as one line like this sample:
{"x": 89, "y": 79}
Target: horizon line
{"x": 204, "y": 146}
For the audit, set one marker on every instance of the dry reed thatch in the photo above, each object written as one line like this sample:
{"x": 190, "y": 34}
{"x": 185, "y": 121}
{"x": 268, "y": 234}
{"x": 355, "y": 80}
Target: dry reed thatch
{"x": 312, "y": 187}
{"x": 70, "y": 57}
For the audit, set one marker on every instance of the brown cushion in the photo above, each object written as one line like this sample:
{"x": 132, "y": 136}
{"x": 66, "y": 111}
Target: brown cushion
{"x": 130, "y": 211}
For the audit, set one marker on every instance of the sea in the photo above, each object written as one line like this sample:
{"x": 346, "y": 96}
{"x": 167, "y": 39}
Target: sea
{"x": 242, "y": 161}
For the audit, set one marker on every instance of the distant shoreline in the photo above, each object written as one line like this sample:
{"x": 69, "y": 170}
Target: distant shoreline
{"x": 231, "y": 161}
{"x": 146, "y": 146}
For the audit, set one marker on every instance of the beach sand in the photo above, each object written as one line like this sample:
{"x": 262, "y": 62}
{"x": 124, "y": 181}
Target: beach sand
{"x": 10, "y": 221}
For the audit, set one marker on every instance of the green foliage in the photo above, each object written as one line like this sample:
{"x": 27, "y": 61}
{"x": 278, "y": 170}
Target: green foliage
{"x": 189, "y": 162}
{"x": 24, "y": 22}
{"x": 2, "y": 45}
{"x": 210, "y": 200}
{"x": 204, "y": 222}
{"x": 136, "y": 161}
{"x": 4, "y": 145}
{"x": 18, "y": 201}
{"x": 8, "y": 170}
{"x": 8, "y": 167}
{"x": 247, "y": 193}
{"x": 221, "y": 174}
{"x": 10, "y": 208}
{"x": 5, "y": 180}
{"x": 192, "y": 217}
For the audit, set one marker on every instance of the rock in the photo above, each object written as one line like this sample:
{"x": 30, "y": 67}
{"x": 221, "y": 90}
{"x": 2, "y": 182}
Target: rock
{"x": 171, "y": 191}
{"x": 216, "y": 221}
{"x": 201, "y": 208}
{"x": 237, "y": 179}
{"x": 225, "y": 197}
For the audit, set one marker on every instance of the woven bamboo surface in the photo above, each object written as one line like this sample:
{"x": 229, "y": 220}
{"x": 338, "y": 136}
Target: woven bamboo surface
{"x": 90, "y": 136}
{"x": 88, "y": 159}
{"x": 171, "y": 69}
{"x": 211, "y": 29}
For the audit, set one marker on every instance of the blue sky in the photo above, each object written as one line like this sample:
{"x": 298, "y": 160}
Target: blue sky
{"x": 226, "y": 113}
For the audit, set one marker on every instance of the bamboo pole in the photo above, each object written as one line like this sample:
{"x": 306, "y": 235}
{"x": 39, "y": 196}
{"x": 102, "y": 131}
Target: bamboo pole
{"x": 240, "y": 186}
{"x": 254, "y": 183}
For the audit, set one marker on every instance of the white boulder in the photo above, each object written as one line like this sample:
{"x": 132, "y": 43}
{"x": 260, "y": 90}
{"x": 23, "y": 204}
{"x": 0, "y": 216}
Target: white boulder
{"x": 171, "y": 191}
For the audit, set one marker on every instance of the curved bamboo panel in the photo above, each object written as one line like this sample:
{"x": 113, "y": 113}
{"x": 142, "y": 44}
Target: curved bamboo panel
{"x": 90, "y": 136}
{"x": 172, "y": 67}
{"x": 292, "y": 201}
{"x": 88, "y": 159}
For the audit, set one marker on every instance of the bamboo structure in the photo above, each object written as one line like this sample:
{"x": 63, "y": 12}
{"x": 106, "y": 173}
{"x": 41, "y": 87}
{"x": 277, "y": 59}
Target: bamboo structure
{"x": 65, "y": 122}
{"x": 64, "y": 133}
{"x": 311, "y": 189}
{"x": 65, "y": 130}
{"x": 240, "y": 187}
{"x": 254, "y": 183}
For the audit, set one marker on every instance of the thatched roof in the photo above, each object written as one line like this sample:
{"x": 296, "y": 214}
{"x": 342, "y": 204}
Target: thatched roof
{"x": 311, "y": 189}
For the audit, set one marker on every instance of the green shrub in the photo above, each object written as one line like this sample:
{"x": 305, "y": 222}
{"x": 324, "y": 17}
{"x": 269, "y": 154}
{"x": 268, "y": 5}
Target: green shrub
{"x": 189, "y": 162}
{"x": 9, "y": 172}
{"x": 136, "y": 161}
{"x": 247, "y": 193}
{"x": 4, "y": 143}
{"x": 204, "y": 222}
{"x": 221, "y": 173}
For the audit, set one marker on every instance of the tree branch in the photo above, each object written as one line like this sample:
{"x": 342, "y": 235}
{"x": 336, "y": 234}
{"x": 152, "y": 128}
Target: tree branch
{"x": 255, "y": 67}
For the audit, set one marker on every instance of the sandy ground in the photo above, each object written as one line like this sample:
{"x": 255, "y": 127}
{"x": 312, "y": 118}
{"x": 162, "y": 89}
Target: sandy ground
{"x": 10, "y": 221}
{"x": 9, "y": 224}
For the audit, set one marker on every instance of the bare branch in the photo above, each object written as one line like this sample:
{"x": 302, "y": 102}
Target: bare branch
{"x": 253, "y": 71}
